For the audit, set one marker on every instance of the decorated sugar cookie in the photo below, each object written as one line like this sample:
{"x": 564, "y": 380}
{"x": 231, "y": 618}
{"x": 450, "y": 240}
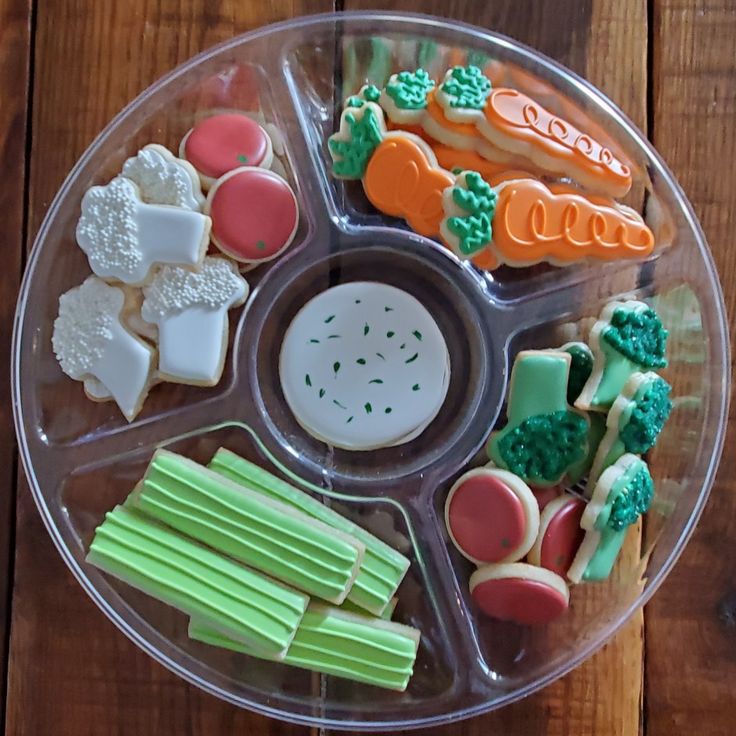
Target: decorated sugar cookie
{"x": 254, "y": 214}
{"x": 560, "y": 535}
{"x": 622, "y": 494}
{"x": 634, "y": 421}
{"x": 596, "y": 431}
{"x": 221, "y": 143}
{"x": 162, "y": 178}
{"x": 92, "y": 345}
{"x": 190, "y": 311}
{"x": 515, "y": 591}
{"x": 491, "y": 516}
{"x": 363, "y": 365}
{"x": 404, "y": 98}
{"x": 627, "y": 337}
{"x": 581, "y": 366}
{"x": 544, "y": 437}
{"x": 124, "y": 238}
{"x": 513, "y": 123}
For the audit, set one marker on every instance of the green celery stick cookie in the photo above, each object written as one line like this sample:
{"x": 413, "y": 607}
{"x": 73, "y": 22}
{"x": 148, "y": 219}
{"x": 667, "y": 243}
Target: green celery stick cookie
{"x": 622, "y": 494}
{"x": 627, "y": 337}
{"x": 544, "y": 437}
{"x": 382, "y": 567}
{"x": 246, "y": 605}
{"x": 336, "y": 642}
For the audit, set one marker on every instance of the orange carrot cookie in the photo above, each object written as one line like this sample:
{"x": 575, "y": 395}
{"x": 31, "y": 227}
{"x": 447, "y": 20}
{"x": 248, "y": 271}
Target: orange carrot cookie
{"x": 516, "y": 125}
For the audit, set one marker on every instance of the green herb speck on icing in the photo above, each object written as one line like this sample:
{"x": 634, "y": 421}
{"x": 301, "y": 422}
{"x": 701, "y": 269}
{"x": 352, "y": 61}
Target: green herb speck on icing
{"x": 466, "y": 87}
{"x": 409, "y": 90}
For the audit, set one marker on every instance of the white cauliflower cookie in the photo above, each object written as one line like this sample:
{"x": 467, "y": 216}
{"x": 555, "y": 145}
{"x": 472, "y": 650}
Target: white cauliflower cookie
{"x": 164, "y": 179}
{"x": 92, "y": 346}
{"x": 190, "y": 310}
{"x": 123, "y": 237}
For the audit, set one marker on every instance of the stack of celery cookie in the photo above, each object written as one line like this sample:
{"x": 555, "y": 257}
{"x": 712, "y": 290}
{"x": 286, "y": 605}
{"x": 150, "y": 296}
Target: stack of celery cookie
{"x": 261, "y": 567}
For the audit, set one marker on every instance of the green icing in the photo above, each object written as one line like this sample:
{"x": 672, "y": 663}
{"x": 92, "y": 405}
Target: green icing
{"x": 371, "y": 93}
{"x": 651, "y": 407}
{"x": 581, "y": 366}
{"x": 382, "y": 568}
{"x": 467, "y": 87}
{"x": 409, "y": 90}
{"x": 196, "y": 580}
{"x": 543, "y": 438}
{"x": 596, "y": 433}
{"x": 335, "y": 643}
{"x": 473, "y": 232}
{"x": 351, "y": 156}
{"x": 244, "y": 525}
{"x": 426, "y": 52}
{"x": 478, "y": 199}
{"x": 354, "y": 101}
{"x": 638, "y": 335}
{"x": 616, "y": 371}
{"x": 630, "y": 496}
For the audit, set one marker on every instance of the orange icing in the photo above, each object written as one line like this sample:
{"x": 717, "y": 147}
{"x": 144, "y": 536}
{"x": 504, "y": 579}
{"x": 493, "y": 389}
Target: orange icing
{"x": 485, "y": 260}
{"x": 533, "y": 224}
{"x": 516, "y": 115}
{"x": 435, "y": 111}
{"x": 451, "y": 158}
{"x": 402, "y": 181}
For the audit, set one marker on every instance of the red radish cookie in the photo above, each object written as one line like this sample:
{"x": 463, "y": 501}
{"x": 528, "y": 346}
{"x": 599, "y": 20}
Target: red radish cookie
{"x": 491, "y": 516}
{"x": 545, "y": 495}
{"x": 254, "y": 214}
{"x": 519, "y": 592}
{"x": 221, "y": 143}
{"x": 560, "y": 535}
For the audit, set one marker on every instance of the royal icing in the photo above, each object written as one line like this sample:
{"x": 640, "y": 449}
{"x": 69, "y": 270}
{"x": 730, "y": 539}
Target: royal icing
{"x": 90, "y": 342}
{"x": 190, "y": 311}
{"x": 560, "y": 535}
{"x": 124, "y": 237}
{"x": 162, "y": 178}
{"x": 221, "y": 143}
{"x": 491, "y": 516}
{"x": 363, "y": 365}
{"x": 362, "y": 128}
{"x": 405, "y": 96}
{"x": 543, "y": 437}
{"x": 518, "y": 592}
{"x": 254, "y": 214}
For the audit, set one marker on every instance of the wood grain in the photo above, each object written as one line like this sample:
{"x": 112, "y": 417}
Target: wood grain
{"x": 71, "y": 673}
{"x": 691, "y": 621}
{"x": 15, "y": 19}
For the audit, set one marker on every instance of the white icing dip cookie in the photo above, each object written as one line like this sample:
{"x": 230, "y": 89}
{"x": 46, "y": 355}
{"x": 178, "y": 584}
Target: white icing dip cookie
{"x": 364, "y": 365}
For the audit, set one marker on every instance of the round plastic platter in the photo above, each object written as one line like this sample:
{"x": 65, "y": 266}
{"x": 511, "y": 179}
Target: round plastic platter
{"x": 82, "y": 457}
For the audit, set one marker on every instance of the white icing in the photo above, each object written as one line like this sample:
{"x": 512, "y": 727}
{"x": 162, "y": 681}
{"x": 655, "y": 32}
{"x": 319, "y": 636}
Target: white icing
{"x": 164, "y": 179}
{"x": 123, "y": 237}
{"x": 401, "y": 347}
{"x": 90, "y": 343}
{"x": 190, "y": 310}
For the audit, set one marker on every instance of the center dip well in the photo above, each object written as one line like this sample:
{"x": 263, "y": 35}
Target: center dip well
{"x": 364, "y": 365}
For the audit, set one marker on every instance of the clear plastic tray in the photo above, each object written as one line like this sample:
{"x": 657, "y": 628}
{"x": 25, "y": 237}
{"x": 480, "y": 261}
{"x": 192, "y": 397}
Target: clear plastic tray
{"x": 82, "y": 458}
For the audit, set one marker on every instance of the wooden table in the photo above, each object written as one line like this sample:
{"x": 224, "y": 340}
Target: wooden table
{"x": 67, "y": 66}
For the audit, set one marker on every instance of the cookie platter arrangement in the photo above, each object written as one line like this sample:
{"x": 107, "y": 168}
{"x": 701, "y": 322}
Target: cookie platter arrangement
{"x": 370, "y": 371}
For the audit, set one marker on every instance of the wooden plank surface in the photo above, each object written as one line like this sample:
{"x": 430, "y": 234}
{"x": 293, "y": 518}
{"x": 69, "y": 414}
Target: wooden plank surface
{"x": 93, "y": 57}
{"x": 691, "y": 621}
{"x": 15, "y": 21}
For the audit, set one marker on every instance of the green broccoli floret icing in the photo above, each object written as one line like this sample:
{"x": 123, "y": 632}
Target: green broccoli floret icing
{"x": 648, "y": 417}
{"x": 409, "y": 89}
{"x": 473, "y": 232}
{"x": 542, "y": 447}
{"x": 351, "y": 156}
{"x": 638, "y": 336}
{"x": 371, "y": 93}
{"x": 467, "y": 86}
{"x": 581, "y": 366}
{"x": 634, "y": 501}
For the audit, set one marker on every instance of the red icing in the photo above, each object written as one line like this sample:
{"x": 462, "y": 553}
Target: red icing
{"x": 221, "y": 143}
{"x": 254, "y": 214}
{"x": 545, "y": 494}
{"x": 563, "y": 537}
{"x": 486, "y": 518}
{"x": 520, "y": 600}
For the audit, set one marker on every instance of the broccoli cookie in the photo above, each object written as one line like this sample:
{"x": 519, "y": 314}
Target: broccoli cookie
{"x": 544, "y": 437}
